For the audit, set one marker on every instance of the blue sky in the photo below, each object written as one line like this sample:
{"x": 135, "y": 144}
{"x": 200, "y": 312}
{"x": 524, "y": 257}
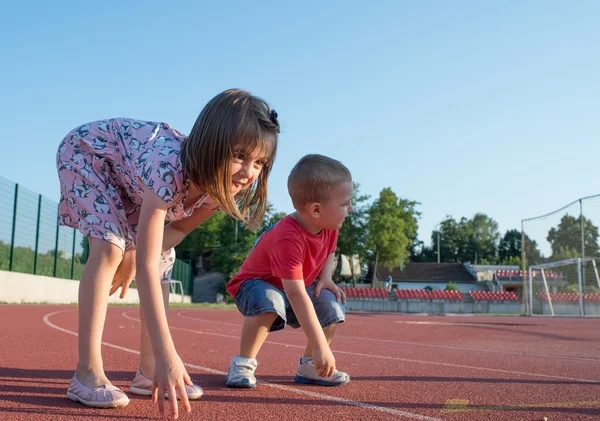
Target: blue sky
{"x": 464, "y": 106}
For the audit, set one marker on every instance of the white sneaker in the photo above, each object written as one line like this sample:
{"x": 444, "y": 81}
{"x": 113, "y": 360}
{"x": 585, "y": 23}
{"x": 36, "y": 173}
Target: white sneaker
{"x": 241, "y": 372}
{"x": 307, "y": 374}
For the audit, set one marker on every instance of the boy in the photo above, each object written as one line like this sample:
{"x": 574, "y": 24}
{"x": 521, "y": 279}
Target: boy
{"x": 286, "y": 279}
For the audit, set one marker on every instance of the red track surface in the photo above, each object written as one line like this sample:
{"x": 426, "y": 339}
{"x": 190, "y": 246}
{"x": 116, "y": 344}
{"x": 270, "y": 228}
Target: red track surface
{"x": 402, "y": 367}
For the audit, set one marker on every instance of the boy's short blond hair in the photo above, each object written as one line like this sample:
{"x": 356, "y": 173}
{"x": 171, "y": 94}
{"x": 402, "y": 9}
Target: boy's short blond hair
{"x": 313, "y": 177}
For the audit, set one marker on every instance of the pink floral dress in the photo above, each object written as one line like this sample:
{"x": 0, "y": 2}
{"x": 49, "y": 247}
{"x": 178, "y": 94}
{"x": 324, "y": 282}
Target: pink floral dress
{"x": 102, "y": 168}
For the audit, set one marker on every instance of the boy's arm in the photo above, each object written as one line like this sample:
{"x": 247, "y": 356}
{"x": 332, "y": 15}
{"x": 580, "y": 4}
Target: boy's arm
{"x": 306, "y": 315}
{"x": 325, "y": 281}
{"x": 327, "y": 271}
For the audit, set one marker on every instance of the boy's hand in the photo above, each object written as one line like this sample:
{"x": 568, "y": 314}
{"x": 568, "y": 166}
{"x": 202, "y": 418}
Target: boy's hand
{"x": 324, "y": 361}
{"x": 124, "y": 275}
{"x": 331, "y": 286}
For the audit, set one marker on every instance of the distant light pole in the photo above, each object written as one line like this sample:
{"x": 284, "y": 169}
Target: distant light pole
{"x": 236, "y": 236}
{"x": 436, "y": 228}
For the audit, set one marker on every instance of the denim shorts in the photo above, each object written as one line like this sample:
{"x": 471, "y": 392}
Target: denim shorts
{"x": 257, "y": 296}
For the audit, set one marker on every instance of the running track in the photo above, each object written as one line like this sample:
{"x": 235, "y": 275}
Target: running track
{"x": 402, "y": 367}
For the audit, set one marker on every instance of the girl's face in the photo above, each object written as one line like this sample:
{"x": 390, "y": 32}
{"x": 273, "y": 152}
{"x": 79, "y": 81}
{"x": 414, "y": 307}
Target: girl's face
{"x": 245, "y": 168}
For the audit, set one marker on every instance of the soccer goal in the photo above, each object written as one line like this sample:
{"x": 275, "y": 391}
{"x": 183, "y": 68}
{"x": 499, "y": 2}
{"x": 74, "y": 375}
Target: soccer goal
{"x": 173, "y": 289}
{"x": 558, "y": 288}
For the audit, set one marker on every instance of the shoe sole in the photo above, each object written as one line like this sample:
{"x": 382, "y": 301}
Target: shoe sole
{"x": 112, "y": 404}
{"x": 241, "y": 385}
{"x": 307, "y": 380}
{"x": 146, "y": 392}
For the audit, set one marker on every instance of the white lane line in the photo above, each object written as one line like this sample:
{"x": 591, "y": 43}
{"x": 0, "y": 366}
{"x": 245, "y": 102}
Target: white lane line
{"x": 386, "y": 357}
{"x": 457, "y": 348}
{"x": 272, "y": 385}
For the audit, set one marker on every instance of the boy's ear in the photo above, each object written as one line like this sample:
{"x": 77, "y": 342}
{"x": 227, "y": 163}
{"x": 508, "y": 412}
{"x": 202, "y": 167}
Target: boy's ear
{"x": 315, "y": 210}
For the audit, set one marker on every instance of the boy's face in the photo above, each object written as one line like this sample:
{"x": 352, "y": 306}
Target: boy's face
{"x": 337, "y": 207}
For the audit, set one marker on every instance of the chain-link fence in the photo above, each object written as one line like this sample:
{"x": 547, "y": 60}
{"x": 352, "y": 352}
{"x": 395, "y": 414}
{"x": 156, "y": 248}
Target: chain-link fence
{"x": 568, "y": 233}
{"x": 31, "y": 241}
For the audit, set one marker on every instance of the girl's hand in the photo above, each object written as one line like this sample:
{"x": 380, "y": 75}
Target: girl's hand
{"x": 324, "y": 361}
{"x": 170, "y": 376}
{"x": 124, "y": 275}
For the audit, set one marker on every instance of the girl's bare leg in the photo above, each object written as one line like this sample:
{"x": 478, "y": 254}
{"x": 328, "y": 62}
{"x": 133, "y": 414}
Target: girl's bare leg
{"x": 95, "y": 283}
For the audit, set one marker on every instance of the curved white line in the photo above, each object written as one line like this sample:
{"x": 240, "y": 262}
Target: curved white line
{"x": 275, "y": 386}
{"x": 386, "y": 357}
{"x": 457, "y": 348}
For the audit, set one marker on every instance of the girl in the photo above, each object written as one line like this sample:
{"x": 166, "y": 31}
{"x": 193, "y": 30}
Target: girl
{"x": 120, "y": 180}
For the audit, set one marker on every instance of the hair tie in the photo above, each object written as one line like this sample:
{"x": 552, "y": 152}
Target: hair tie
{"x": 273, "y": 116}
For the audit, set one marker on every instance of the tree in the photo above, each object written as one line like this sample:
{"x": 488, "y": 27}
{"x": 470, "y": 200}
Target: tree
{"x": 512, "y": 261}
{"x": 454, "y": 240}
{"x": 233, "y": 248}
{"x": 226, "y": 238}
{"x": 510, "y": 245}
{"x": 509, "y": 249}
{"x": 483, "y": 239}
{"x": 467, "y": 240}
{"x": 85, "y": 253}
{"x": 271, "y": 217}
{"x": 567, "y": 235}
{"x": 392, "y": 230}
{"x": 423, "y": 254}
{"x": 204, "y": 237}
{"x": 353, "y": 234}
{"x": 236, "y": 241}
{"x": 565, "y": 253}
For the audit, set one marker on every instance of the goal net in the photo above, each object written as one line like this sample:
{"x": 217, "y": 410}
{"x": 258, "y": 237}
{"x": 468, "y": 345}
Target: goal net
{"x": 558, "y": 288}
{"x": 553, "y": 242}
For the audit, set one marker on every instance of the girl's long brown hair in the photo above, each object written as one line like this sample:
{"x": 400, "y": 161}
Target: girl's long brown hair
{"x": 234, "y": 119}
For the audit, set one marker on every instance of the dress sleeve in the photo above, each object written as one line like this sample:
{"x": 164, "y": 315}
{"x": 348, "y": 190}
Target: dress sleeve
{"x": 162, "y": 175}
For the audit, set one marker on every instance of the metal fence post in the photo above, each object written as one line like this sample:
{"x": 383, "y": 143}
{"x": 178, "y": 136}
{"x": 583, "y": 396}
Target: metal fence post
{"x": 14, "y": 228}
{"x": 73, "y": 253}
{"x": 524, "y": 293}
{"x": 37, "y": 234}
{"x": 56, "y": 243}
{"x": 581, "y": 217}
{"x": 187, "y": 279}
{"x": 530, "y": 277}
{"x": 580, "y": 284}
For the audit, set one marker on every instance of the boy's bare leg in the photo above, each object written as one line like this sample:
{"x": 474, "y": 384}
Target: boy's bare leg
{"x": 329, "y": 334}
{"x": 254, "y": 333}
{"x": 307, "y": 373}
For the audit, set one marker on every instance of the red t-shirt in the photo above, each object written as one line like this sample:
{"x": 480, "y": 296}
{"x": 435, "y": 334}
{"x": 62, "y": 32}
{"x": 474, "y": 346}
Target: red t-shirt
{"x": 286, "y": 251}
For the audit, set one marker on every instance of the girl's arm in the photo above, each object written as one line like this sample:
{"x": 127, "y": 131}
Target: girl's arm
{"x": 306, "y": 315}
{"x": 170, "y": 373}
{"x": 177, "y": 230}
{"x": 174, "y": 233}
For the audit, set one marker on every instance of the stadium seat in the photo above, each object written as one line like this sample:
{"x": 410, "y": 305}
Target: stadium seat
{"x": 421, "y": 294}
{"x": 568, "y": 297}
{"x": 372, "y": 293}
{"x": 494, "y": 296}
